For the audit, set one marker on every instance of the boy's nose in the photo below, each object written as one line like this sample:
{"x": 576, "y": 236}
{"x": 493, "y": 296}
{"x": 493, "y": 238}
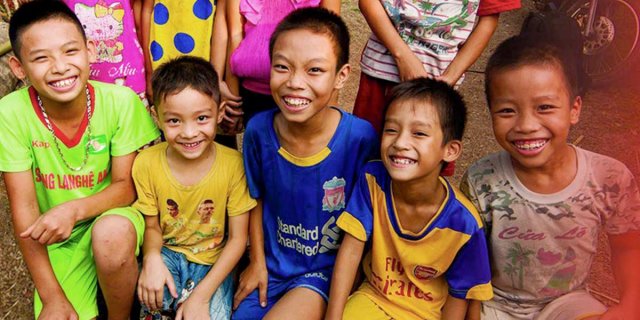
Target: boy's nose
{"x": 527, "y": 123}
{"x": 401, "y": 141}
{"x": 189, "y": 130}
{"x": 60, "y": 66}
{"x": 295, "y": 80}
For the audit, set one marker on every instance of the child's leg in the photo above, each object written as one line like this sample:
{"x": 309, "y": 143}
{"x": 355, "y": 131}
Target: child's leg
{"x": 314, "y": 305}
{"x": 575, "y": 305}
{"x": 311, "y": 290}
{"x": 360, "y": 307}
{"x": 177, "y": 265}
{"x": 73, "y": 266}
{"x": 116, "y": 237}
{"x": 370, "y": 101}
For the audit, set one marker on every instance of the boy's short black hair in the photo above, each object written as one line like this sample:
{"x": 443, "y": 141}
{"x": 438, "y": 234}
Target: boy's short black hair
{"x": 184, "y": 72}
{"x": 36, "y": 11}
{"x": 524, "y": 50}
{"x": 449, "y": 104}
{"x": 317, "y": 20}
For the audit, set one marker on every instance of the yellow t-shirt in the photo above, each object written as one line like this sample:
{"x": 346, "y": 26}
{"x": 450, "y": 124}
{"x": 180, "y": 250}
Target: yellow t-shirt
{"x": 192, "y": 218}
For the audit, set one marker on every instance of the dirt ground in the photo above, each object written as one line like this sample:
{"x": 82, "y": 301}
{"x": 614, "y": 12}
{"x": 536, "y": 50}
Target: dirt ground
{"x": 608, "y": 126}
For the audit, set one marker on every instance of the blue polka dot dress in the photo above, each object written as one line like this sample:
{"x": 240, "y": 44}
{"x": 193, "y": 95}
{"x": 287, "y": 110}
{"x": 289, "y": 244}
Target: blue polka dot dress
{"x": 181, "y": 27}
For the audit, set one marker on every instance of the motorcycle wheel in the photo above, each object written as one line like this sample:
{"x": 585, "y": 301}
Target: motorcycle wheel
{"x": 614, "y": 45}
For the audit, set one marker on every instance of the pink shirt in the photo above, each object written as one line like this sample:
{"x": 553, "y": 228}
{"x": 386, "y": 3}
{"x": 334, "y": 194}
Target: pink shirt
{"x": 110, "y": 25}
{"x": 250, "y": 61}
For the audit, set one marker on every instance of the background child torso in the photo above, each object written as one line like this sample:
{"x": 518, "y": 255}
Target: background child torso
{"x": 110, "y": 24}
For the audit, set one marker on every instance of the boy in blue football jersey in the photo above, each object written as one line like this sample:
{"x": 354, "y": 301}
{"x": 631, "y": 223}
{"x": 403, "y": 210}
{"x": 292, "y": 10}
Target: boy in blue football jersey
{"x": 301, "y": 163}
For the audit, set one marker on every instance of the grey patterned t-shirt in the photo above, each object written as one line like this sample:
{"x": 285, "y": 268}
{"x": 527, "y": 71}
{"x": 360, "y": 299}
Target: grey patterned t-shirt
{"x": 542, "y": 245}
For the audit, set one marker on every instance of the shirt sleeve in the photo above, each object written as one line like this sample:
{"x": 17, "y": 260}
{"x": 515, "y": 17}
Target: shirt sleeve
{"x": 15, "y": 145}
{"x": 625, "y": 197}
{"x": 146, "y": 202}
{"x": 468, "y": 189}
{"x": 469, "y": 276}
{"x": 489, "y": 7}
{"x": 357, "y": 219}
{"x": 135, "y": 126}
{"x": 252, "y": 163}
{"x": 239, "y": 200}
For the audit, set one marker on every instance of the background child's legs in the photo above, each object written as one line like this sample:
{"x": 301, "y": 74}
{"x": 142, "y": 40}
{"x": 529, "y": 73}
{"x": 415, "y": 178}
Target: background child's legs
{"x": 575, "y": 305}
{"x": 360, "y": 307}
{"x": 253, "y": 103}
{"x": 116, "y": 236}
{"x": 371, "y": 99}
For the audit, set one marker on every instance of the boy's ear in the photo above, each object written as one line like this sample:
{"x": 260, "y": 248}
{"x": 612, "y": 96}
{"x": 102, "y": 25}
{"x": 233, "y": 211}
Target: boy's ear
{"x": 16, "y": 68}
{"x": 452, "y": 150}
{"x": 576, "y": 107}
{"x": 342, "y": 76}
{"x": 221, "y": 109}
{"x": 93, "y": 52}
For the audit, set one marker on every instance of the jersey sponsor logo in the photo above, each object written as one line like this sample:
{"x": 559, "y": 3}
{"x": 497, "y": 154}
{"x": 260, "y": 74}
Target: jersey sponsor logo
{"x": 40, "y": 144}
{"x": 424, "y": 272}
{"x": 97, "y": 144}
{"x": 333, "y": 199}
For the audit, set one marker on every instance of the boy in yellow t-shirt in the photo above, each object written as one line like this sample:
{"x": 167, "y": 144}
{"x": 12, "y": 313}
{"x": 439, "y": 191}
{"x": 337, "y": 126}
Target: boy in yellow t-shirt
{"x": 189, "y": 188}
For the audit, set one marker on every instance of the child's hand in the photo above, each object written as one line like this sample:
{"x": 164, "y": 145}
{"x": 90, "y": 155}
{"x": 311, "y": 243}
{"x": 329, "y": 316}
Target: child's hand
{"x": 255, "y": 276}
{"x": 232, "y": 120}
{"x": 410, "y": 67}
{"x": 195, "y": 307}
{"x": 153, "y": 277}
{"x": 58, "y": 309}
{"x": 53, "y": 226}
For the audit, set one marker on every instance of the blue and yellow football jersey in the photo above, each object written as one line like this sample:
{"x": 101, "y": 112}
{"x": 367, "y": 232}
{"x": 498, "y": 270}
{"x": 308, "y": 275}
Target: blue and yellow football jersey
{"x": 409, "y": 275}
{"x": 302, "y": 197}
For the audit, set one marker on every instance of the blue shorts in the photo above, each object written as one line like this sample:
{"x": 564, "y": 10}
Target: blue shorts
{"x": 250, "y": 308}
{"x": 186, "y": 276}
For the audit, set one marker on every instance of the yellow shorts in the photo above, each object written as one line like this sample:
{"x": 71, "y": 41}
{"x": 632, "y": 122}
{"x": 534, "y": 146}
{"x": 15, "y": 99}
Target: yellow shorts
{"x": 359, "y": 307}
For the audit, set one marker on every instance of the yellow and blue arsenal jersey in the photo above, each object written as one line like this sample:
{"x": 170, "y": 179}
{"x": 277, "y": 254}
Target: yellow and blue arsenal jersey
{"x": 409, "y": 275}
{"x": 302, "y": 197}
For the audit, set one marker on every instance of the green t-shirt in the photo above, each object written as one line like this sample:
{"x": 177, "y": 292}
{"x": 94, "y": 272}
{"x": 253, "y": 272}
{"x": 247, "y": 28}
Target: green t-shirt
{"x": 119, "y": 125}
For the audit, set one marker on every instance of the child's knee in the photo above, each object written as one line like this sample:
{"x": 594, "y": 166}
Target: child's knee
{"x": 114, "y": 237}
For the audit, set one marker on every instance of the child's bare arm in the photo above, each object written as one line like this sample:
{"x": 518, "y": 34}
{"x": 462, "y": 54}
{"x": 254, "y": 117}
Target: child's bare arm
{"x": 409, "y": 66}
{"x": 145, "y": 30}
{"x": 197, "y": 305}
{"x": 344, "y": 274}
{"x": 625, "y": 258}
{"x": 474, "y": 310}
{"x": 136, "y": 6}
{"x": 454, "y": 308}
{"x": 333, "y": 5}
{"x": 24, "y": 212}
{"x": 255, "y": 275}
{"x": 154, "y": 274}
{"x": 472, "y": 49}
{"x": 230, "y": 87}
{"x": 56, "y": 224}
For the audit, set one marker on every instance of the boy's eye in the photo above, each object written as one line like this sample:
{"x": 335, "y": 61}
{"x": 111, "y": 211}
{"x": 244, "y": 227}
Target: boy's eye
{"x": 545, "y": 107}
{"x": 39, "y": 58}
{"x": 389, "y": 131}
{"x": 279, "y": 67}
{"x": 173, "y": 121}
{"x": 420, "y": 134}
{"x": 315, "y": 70}
{"x": 72, "y": 51}
{"x": 203, "y": 118}
{"x": 505, "y": 111}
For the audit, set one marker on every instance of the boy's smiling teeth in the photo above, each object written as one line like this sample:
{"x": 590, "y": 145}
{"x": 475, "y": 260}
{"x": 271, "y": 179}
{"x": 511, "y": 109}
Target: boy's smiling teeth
{"x": 296, "y": 102}
{"x": 191, "y": 145}
{"x": 63, "y": 83}
{"x": 401, "y": 160}
{"x": 530, "y": 144}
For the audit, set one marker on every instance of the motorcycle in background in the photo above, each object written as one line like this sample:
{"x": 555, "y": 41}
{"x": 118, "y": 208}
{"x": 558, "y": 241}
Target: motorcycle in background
{"x": 611, "y": 31}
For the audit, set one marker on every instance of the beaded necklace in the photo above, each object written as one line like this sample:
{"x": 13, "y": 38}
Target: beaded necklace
{"x": 55, "y": 139}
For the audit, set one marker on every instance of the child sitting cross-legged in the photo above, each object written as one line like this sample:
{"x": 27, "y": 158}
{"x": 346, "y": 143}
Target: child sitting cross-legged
{"x": 193, "y": 194}
{"x": 427, "y": 254}
{"x": 302, "y": 162}
{"x": 544, "y": 200}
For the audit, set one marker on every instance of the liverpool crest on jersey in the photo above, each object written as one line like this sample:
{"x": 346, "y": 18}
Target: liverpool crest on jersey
{"x": 333, "y": 194}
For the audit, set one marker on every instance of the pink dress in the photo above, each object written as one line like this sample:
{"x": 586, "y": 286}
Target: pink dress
{"x": 250, "y": 61}
{"x": 110, "y": 25}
